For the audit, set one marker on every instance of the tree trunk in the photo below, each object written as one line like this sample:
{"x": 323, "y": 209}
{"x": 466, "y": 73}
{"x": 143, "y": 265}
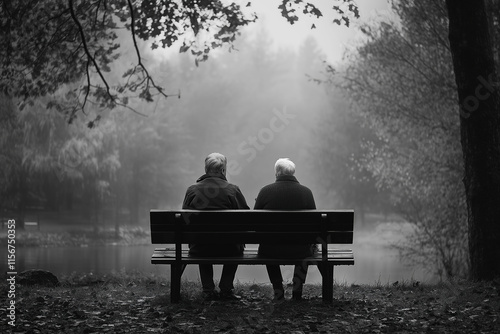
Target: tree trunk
{"x": 479, "y": 97}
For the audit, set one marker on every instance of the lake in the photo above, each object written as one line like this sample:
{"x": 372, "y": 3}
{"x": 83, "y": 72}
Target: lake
{"x": 375, "y": 262}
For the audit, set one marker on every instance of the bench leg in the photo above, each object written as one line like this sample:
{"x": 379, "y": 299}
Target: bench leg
{"x": 175, "y": 283}
{"x": 327, "y": 274}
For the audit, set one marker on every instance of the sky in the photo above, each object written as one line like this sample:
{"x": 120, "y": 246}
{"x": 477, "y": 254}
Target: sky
{"x": 331, "y": 37}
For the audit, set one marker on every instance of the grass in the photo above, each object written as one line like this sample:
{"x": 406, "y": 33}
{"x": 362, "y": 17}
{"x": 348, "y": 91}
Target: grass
{"x": 139, "y": 303}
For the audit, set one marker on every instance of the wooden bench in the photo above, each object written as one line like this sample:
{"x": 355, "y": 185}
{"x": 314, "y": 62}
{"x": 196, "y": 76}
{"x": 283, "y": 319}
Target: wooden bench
{"x": 182, "y": 227}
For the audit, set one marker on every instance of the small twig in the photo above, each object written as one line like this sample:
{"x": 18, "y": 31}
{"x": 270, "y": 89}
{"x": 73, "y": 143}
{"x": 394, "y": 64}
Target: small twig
{"x": 72, "y": 54}
{"x": 97, "y": 4}
{"x": 131, "y": 109}
{"x": 88, "y": 87}
{"x": 73, "y": 112}
{"x": 55, "y": 17}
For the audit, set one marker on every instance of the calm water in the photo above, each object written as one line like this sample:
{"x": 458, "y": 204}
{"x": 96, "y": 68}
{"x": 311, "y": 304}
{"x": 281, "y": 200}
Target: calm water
{"x": 374, "y": 262}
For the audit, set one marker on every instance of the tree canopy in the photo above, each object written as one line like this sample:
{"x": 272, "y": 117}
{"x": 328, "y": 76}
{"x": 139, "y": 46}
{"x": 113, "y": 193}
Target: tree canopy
{"x": 50, "y": 43}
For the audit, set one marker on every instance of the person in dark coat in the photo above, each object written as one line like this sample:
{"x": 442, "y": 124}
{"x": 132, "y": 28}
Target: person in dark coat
{"x": 212, "y": 191}
{"x": 285, "y": 194}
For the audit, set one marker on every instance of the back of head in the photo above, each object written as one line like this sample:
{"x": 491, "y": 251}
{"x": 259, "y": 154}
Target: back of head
{"x": 284, "y": 166}
{"x": 215, "y": 163}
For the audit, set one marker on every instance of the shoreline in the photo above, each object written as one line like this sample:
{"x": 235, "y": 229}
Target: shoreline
{"x": 127, "y": 236}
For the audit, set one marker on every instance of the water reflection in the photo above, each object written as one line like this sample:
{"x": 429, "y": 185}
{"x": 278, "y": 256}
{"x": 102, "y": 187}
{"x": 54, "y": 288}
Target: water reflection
{"x": 373, "y": 263}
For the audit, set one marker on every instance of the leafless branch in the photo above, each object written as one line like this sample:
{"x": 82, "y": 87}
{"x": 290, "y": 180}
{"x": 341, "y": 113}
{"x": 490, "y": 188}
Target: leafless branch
{"x": 88, "y": 87}
{"x": 131, "y": 109}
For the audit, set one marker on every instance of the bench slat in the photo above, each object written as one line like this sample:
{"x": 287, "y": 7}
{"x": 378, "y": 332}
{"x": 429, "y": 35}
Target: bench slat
{"x": 332, "y": 220}
{"x": 264, "y": 227}
{"x": 250, "y": 256}
{"x": 253, "y": 238}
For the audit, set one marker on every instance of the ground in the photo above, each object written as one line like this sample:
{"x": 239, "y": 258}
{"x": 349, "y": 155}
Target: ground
{"x": 138, "y": 303}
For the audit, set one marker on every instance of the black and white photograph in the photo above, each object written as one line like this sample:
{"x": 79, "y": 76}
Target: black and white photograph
{"x": 265, "y": 166}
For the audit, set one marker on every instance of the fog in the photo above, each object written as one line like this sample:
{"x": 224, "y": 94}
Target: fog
{"x": 257, "y": 107}
{"x": 253, "y": 105}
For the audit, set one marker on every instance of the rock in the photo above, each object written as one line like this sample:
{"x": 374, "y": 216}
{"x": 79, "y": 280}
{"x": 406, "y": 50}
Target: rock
{"x": 37, "y": 277}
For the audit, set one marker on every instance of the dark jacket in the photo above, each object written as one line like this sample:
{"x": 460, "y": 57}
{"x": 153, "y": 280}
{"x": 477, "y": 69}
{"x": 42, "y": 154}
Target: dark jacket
{"x": 213, "y": 192}
{"x": 285, "y": 194}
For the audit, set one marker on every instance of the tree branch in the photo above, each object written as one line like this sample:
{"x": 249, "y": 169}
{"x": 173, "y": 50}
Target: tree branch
{"x": 88, "y": 87}
{"x": 139, "y": 60}
{"x": 87, "y": 51}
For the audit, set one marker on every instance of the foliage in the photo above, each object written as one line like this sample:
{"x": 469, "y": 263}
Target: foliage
{"x": 134, "y": 303}
{"x": 76, "y": 41}
{"x": 147, "y": 177}
{"x": 341, "y": 135}
{"x": 400, "y": 81}
{"x": 10, "y": 159}
{"x": 45, "y": 152}
{"x": 66, "y": 43}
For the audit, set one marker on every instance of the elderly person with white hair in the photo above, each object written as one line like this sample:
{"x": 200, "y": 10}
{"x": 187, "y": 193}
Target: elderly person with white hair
{"x": 212, "y": 191}
{"x": 285, "y": 194}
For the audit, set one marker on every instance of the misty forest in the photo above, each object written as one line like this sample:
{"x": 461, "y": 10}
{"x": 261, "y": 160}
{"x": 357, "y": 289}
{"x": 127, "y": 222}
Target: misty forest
{"x": 109, "y": 108}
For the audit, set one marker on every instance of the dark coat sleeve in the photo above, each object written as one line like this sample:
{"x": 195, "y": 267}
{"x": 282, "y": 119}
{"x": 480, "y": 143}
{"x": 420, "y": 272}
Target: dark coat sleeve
{"x": 188, "y": 198}
{"x": 241, "y": 203}
{"x": 259, "y": 202}
{"x": 310, "y": 201}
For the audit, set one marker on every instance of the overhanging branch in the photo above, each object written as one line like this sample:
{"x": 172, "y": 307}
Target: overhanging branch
{"x": 87, "y": 51}
{"x": 139, "y": 59}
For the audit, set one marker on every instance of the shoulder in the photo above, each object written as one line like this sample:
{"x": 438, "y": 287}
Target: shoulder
{"x": 268, "y": 188}
{"x": 270, "y": 185}
{"x": 235, "y": 194}
{"x": 231, "y": 187}
{"x": 191, "y": 188}
{"x": 234, "y": 188}
{"x": 304, "y": 188}
{"x": 306, "y": 191}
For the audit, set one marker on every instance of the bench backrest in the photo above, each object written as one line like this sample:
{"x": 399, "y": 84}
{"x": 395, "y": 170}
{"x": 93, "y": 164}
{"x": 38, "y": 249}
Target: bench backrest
{"x": 252, "y": 226}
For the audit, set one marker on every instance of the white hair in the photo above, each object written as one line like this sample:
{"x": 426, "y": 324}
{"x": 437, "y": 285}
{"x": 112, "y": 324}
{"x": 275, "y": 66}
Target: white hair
{"x": 215, "y": 163}
{"x": 284, "y": 166}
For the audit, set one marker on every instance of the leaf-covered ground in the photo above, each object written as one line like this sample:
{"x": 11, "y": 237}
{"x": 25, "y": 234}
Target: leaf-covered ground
{"x": 140, "y": 304}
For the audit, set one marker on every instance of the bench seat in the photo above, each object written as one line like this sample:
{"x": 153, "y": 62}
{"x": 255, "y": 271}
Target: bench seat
{"x": 335, "y": 256}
